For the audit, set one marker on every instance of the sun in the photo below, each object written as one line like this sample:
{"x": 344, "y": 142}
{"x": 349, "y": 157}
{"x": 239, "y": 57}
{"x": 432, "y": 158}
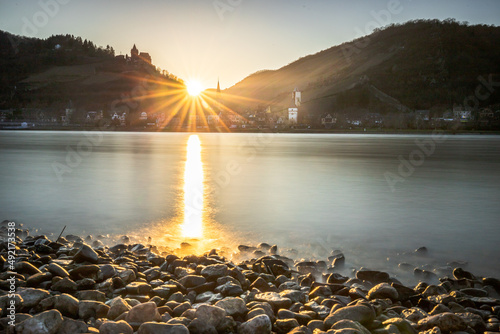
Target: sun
{"x": 194, "y": 87}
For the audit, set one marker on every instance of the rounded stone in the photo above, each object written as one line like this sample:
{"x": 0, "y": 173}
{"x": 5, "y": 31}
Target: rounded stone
{"x": 191, "y": 281}
{"x": 233, "y": 306}
{"x": 274, "y": 299}
{"x": 112, "y": 327}
{"x": 143, "y": 313}
{"x": 259, "y": 324}
{"x": 65, "y": 285}
{"x": 118, "y": 306}
{"x": 214, "y": 271}
{"x": 212, "y": 315}
{"x": 57, "y": 270}
{"x": 32, "y": 297}
{"x": 161, "y": 328}
{"x": 360, "y": 313}
{"x": 45, "y": 322}
{"x": 382, "y": 291}
{"x": 447, "y": 322}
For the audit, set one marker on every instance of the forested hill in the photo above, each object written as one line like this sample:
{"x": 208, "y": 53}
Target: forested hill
{"x": 48, "y": 73}
{"x": 422, "y": 64}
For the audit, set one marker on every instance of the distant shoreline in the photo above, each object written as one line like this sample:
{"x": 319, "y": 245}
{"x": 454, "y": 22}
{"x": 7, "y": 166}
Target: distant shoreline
{"x": 289, "y": 131}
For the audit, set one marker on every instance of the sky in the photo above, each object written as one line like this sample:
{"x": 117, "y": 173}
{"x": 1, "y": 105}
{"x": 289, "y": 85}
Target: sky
{"x": 228, "y": 39}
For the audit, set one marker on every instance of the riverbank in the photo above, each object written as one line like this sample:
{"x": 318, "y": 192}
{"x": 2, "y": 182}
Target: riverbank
{"x": 100, "y": 285}
{"x": 380, "y": 131}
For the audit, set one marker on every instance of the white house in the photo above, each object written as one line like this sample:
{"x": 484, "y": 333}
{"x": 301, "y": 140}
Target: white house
{"x": 293, "y": 114}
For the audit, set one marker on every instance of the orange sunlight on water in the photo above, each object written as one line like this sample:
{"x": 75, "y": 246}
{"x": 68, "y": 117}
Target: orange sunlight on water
{"x": 192, "y": 226}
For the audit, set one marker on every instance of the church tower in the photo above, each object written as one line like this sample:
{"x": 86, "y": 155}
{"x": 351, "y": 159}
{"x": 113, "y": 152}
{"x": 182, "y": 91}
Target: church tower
{"x": 218, "y": 86}
{"x": 297, "y": 97}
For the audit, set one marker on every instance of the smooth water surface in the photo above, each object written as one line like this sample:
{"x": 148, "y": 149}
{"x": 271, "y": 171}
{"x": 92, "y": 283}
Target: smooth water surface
{"x": 312, "y": 192}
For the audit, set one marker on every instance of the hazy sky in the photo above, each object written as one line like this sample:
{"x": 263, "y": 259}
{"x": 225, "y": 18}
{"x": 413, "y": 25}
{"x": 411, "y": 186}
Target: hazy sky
{"x": 230, "y": 39}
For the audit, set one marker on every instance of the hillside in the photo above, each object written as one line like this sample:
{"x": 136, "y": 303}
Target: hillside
{"x": 417, "y": 65}
{"x": 47, "y": 74}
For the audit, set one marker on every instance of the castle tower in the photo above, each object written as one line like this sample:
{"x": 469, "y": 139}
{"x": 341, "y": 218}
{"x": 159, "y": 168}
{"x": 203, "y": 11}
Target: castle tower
{"x": 134, "y": 53}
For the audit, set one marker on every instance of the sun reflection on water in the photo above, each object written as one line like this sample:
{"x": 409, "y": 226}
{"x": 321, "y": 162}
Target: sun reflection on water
{"x": 192, "y": 226}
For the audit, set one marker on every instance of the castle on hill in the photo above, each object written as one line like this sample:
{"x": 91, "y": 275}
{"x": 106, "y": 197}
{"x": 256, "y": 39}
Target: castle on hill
{"x": 139, "y": 57}
{"x": 136, "y": 57}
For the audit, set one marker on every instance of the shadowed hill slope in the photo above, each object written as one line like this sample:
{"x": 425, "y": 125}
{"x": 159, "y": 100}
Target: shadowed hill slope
{"x": 417, "y": 65}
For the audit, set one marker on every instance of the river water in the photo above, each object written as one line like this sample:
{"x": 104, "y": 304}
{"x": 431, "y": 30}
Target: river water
{"x": 375, "y": 197}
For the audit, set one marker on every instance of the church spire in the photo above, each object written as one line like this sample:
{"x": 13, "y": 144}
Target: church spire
{"x": 218, "y": 86}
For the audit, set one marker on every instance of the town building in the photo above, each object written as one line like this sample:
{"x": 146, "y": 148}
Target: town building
{"x": 462, "y": 114}
{"x": 328, "y": 121}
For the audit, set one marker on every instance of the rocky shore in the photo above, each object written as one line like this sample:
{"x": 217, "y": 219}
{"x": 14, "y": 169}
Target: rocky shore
{"x": 80, "y": 285}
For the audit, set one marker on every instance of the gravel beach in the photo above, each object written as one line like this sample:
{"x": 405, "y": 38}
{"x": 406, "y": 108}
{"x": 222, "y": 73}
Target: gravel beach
{"x": 76, "y": 284}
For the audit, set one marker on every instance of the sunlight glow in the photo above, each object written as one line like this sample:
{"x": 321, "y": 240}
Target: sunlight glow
{"x": 194, "y": 88}
{"x": 193, "y": 190}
